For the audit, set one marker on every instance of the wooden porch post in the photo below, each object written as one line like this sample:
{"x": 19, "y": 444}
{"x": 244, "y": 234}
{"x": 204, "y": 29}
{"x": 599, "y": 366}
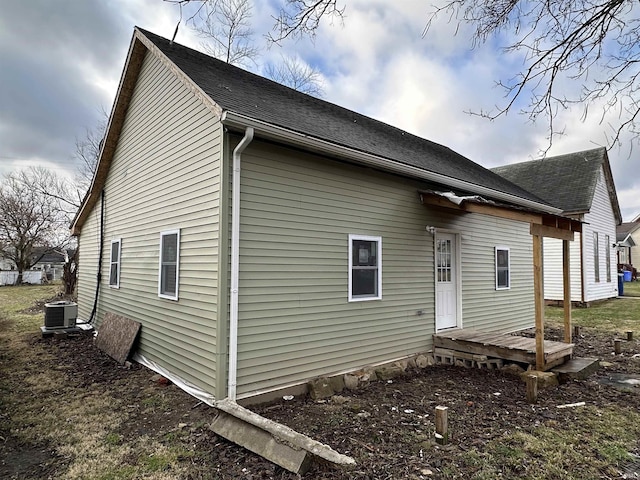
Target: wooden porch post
{"x": 566, "y": 281}
{"x": 538, "y": 289}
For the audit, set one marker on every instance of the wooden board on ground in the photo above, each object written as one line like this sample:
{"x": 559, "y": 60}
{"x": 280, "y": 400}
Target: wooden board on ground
{"x": 116, "y": 336}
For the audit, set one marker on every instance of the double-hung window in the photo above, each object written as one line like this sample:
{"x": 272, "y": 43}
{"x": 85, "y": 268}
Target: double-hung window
{"x": 596, "y": 256}
{"x": 503, "y": 268}
{"x": 169, "y": 264}
{"x": 114, "y": 263}
{"x": 607, "y": 245}
{"x": 365, "y": 268}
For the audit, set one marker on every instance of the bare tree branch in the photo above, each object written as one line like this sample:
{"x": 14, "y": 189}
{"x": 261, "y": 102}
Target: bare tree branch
{"x": 87, "y": 153}
{"x": 574, "y": 52}
{"x": 294, "y": 73}
{"x": 299, "y": 18}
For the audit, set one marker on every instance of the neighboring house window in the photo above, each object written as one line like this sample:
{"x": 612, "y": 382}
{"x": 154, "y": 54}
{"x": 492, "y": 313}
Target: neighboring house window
{"x": 503, "y": 268}
{"x": 596, "y": 256}
{"x": 365, "y": 268}
{"x": 169, "y": 264}
{"x": 608, "y": 256}
{"x": 114, "y": 262}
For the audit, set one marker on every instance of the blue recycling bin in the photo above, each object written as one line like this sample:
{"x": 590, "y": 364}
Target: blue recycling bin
{"x": 627, "y": 275}
{"x": 620, "y": 284}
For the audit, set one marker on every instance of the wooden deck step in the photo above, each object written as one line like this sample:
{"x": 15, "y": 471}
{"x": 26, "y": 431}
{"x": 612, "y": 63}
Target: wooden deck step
{"x": 512, "y": 348}
{"x": 576, "y": 369}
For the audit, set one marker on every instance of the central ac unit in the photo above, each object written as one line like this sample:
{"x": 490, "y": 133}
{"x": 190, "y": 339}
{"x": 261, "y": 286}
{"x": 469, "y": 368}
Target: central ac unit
{"x": 61, "y": 314}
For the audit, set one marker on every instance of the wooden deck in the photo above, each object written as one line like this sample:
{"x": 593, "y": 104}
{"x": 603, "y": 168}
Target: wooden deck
{"x": 511, "y": 348}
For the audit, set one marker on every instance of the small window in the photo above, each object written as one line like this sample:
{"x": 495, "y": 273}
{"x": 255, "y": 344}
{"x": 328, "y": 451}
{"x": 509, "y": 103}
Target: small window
{"x": 503, "y": 268}
{"x": 169, "y": 264}
{"x": 365, "y": 268}
{"x": 596, "y": 256}
{"x": 114, "y": 262}
{"x": 607, "y": 245}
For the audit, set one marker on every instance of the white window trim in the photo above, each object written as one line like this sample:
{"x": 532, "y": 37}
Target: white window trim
{"x": 118, "y": 261}
{"x": 367, "y": 238}
{"x": 160, "y": 294}
{"x": 495, "y": 261}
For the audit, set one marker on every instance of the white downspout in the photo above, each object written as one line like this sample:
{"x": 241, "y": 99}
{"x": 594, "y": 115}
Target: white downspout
{"x": 235, "y": 263}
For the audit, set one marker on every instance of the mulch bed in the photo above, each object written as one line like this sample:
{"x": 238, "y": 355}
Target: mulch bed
{"x": 387, "y": 426}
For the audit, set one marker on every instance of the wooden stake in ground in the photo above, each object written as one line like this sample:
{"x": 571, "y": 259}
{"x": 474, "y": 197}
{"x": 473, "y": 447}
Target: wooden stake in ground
{"x": 576, "y": 330}
{"x": 442, "y": 425}
{"x": 532, "y": 388}
{"x": 616, "y": 346}
{"x": 629, "y": 335}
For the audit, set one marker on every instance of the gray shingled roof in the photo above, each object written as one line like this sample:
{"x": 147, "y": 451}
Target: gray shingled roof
{"x": 242, "y": 92}
{"x": 566, "y": 181}
{"x": 624, "y": 229}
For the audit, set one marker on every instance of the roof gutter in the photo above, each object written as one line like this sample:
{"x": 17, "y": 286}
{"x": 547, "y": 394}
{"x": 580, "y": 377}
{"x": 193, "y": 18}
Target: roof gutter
{"x": 273, "y": 132}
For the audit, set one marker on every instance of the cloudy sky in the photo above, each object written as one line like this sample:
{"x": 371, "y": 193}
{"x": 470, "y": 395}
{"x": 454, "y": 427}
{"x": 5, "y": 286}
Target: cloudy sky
{"x": 61, "y": 61}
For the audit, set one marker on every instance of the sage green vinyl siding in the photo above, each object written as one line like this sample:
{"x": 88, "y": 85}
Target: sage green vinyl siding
{"x": 295, "y": 321}
{"x": 483, "y": 307}
{"x": 165, "y": 175}
{"x": 88, "y": 254}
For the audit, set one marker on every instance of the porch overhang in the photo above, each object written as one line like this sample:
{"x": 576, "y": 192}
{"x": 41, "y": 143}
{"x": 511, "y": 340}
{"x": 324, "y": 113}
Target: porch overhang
{"x": 542, "y": 223}
{"x": 548, "y": 224}
{"x": 627, "y": 242}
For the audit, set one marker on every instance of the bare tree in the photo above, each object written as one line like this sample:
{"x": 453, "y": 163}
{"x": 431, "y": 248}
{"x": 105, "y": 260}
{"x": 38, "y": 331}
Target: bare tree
{"x": 64, "y": 195}
{"x": 299, "y": 18}
{"x": 87, "y": 152}
{"x": 589, "y": 44}
{"x": 294, "y": 73}
{"x": 575, "y": 52}
{"x": 227, "y": 25}
{"x": 27, "y": 220}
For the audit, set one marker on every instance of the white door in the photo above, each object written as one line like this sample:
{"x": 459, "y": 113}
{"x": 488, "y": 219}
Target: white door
{"x": 446, "y": 282}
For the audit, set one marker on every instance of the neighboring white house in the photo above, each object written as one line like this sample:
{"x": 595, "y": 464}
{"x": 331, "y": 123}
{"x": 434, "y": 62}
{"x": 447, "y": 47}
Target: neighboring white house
{"x": 49, "y": 265}
{"x": 581, "y": 184}
{"x": 628, "y": 238}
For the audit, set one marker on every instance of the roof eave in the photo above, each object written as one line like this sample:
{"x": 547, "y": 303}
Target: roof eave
{"x": 611, "y": 189}
{"x": 287, "y": 136}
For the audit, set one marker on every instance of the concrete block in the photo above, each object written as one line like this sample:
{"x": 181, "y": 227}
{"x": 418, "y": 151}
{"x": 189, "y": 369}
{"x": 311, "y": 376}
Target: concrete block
{"x": 442, "y": 359}
{"x": 464, "y": 362}
{"x": 274, "y": 441}
{"x": 252, "y": 438}
{"x": 491, "y": 364}
{"x": 320, "y": 388}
